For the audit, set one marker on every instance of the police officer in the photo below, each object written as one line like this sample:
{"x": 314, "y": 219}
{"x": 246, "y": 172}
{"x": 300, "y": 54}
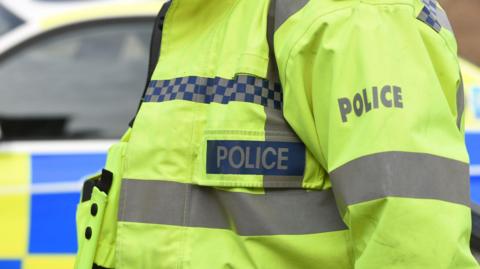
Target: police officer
{"x": 290, "y": 134}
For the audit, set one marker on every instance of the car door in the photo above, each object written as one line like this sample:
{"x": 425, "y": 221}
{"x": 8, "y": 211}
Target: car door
{"x": 65, "y": 96}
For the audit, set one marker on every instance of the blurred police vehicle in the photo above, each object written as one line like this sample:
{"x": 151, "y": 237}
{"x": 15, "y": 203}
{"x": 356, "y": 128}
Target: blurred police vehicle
{"x": 471, "y": 76}
{"x": 71, "y": 75}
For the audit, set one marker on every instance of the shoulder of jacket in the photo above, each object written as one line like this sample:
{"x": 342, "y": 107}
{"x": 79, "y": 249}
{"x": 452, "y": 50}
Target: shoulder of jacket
{"x": 335, "y": 14}
{"x": 324, "y": 10}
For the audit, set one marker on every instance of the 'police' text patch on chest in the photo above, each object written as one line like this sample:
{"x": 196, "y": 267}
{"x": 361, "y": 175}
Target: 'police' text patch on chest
{"x": 255, "y": 158}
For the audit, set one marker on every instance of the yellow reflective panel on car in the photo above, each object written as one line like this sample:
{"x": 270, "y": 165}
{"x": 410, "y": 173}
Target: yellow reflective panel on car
{"x": 51, "y": 262}
{"x": 14, "y": 215}
{"x": 39, "y": 192}
{"x": 150, "y": 8}
{"x": 14, "y": 205}
{"x": 14, "y": 169}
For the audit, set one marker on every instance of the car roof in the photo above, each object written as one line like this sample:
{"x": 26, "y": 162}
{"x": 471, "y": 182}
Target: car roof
{"x": 42, "y": 16}
{"x": 51, "y": 14}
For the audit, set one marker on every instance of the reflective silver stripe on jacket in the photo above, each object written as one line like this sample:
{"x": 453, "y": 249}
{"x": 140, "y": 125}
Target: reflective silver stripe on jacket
{"x": 401, "y": 174}
{"x": 443, "y": 19}
{"x": 276, "y": 126}
{"x": 278, "y": 211}
{"x": 277, "y": 129}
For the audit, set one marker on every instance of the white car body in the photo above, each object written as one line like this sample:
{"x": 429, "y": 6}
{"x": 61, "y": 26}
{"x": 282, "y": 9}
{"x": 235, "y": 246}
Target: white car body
{"x": 28, "y": 167}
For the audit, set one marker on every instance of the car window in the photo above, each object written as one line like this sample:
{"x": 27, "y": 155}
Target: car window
{"x": 80, "y": 83}
{"x": 8, "y": 21}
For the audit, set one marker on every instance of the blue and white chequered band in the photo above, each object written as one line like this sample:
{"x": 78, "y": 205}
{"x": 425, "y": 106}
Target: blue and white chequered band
{"x": 243, "y": 88}
{"x": 429, "y": 15}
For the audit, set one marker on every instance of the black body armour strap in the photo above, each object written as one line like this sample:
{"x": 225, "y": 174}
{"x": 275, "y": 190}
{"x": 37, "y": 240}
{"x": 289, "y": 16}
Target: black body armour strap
{"x": 155, "y": 45}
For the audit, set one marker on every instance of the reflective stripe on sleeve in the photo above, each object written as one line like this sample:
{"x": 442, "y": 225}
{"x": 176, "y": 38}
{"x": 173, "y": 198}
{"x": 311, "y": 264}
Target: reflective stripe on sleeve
{"x": 443, "y": 19}
{"x": 401, "y": 174}
{"x": 279, "y": 211}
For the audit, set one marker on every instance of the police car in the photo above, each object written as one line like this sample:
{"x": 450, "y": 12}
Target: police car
{"x": 71, "y": 75}
{"x": 471, "y": 76}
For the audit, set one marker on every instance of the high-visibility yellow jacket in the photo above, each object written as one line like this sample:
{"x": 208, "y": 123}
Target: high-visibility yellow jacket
{"x": 350, "y": 154}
